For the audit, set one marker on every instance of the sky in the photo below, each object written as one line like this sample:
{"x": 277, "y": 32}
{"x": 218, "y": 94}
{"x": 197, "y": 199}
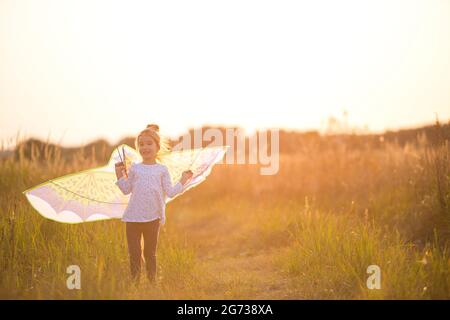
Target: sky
{"x": 75, "y": 71}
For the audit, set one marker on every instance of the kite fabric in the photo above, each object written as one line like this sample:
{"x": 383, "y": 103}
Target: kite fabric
{"x": 92, "y": 194}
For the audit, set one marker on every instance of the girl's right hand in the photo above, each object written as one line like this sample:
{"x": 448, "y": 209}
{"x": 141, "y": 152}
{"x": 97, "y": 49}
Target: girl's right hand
{"x": 120, "y": 170}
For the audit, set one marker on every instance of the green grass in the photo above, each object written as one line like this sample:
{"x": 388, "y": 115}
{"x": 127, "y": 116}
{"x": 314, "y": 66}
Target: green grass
{"x": 310, "y": 231}
{"x": 330, "y": 256}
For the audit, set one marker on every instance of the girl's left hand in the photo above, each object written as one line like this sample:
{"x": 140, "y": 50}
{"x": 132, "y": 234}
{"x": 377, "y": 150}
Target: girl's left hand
{"x": 186, "y": 176}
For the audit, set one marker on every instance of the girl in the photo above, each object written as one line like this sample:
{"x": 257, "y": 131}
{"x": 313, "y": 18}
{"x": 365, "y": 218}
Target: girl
{"x": 148, "y": 182}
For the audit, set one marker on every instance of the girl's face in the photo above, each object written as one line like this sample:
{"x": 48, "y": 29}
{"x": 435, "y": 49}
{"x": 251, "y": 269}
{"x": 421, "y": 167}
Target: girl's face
{"x": 147, "y": 148}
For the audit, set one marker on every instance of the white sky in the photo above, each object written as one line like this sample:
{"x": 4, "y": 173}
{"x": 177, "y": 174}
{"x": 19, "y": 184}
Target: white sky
{"x": 80, "y": 70}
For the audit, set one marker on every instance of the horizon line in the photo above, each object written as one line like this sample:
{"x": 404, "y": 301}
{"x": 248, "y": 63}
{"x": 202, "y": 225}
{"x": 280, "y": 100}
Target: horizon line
{"x": 322, "y": 132}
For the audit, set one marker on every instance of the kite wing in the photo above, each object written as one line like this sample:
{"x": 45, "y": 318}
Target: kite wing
{"x": 200, "y": 161}
{"x": 92, "y": 194}
{"x": 88, "y": 195}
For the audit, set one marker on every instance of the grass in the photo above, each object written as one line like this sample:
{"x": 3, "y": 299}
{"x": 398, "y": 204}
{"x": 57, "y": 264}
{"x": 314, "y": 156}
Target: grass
{"x": 330, "y": 256}
{"x": 309, "y": 232}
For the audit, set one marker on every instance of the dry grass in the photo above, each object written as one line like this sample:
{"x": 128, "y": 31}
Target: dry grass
{"x": 308, "y": 232}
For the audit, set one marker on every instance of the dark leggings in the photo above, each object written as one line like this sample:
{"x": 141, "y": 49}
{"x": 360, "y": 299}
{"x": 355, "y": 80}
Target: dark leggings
{"x": 149, "y": 230}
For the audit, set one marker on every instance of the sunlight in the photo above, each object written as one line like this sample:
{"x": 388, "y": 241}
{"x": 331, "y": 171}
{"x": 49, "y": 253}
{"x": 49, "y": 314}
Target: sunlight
{"x": 106, "y": 68}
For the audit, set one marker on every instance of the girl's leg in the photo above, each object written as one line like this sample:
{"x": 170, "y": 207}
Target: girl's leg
{"x": 151, "y": 232}
{"x": 134, "y": 247}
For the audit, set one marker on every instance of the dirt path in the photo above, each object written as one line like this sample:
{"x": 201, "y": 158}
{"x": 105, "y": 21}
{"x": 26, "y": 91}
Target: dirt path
{"x": 233, "y": 268}
{"x": 251, "y": 275}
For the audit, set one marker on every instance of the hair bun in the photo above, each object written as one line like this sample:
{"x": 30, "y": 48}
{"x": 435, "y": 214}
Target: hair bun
{"x": 153, "y": 126}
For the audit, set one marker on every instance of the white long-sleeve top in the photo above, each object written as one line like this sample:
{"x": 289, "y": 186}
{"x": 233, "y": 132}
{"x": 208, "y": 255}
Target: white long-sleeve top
{"x": 149, "y": 184}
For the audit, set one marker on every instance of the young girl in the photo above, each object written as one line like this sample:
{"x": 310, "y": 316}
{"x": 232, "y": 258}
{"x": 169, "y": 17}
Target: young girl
{"x": 148, "y": 182}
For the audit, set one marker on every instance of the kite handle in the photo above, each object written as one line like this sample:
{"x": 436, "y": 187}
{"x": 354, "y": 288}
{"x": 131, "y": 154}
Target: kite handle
{"x": 123, "y": 159}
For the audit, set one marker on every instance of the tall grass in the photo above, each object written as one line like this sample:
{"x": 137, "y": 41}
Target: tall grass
{"x": 330, "y": 255}
{"x": 314, "y": 227}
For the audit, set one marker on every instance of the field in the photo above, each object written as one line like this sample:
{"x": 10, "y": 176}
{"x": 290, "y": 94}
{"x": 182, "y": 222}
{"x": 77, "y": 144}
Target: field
{"x": 309, "y": 232}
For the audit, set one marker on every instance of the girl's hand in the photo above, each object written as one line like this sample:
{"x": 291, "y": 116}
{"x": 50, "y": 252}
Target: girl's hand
{"x": 186, "y": 176}
{"x": 120, "y": 170}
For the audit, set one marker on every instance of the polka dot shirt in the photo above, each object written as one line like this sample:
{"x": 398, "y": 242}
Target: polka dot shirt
{"x": 149, "y": 185}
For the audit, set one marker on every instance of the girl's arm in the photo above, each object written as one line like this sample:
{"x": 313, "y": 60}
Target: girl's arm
{"x": 169, "y": 189}
{"x": 125, "y": 184}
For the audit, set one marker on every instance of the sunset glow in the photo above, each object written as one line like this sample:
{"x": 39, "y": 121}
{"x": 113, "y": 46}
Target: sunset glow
{"x": 80, "y": 70}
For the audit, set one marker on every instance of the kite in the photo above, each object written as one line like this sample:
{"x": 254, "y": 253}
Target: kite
{"x": 92, "y": 194}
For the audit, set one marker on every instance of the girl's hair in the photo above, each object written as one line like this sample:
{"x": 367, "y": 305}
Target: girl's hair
{"x": 152, "y": 131}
